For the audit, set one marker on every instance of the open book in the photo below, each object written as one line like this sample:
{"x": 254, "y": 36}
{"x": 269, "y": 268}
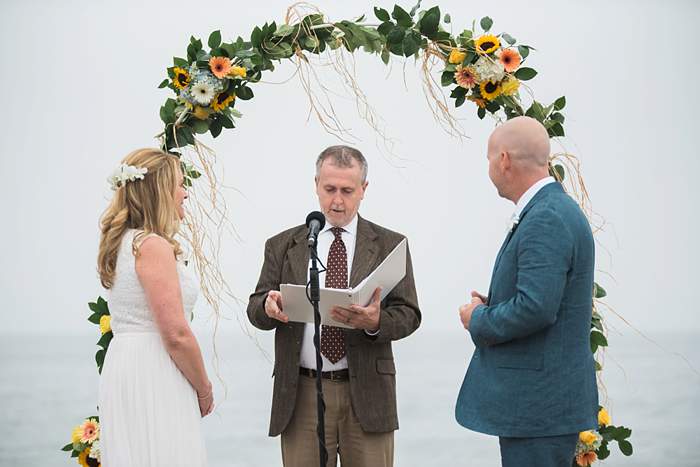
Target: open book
{"x": 389, "y": 273}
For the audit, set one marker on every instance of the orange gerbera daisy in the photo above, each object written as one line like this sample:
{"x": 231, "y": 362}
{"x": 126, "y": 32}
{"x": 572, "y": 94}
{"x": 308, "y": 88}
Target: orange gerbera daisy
{"x": 91, "y": 431}
{"x": 466, "y": 76}
{"x": 510, "y": 59}
{"x": 220, "y": 66}
{"x": 586, "y": 458}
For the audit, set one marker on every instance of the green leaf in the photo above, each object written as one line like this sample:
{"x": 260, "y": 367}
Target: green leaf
{"x": 536, "y": 111}
{"x": 256, "y": 37}
{"x": 164, "y": 83}
{"x": 556, "y": 130}
{"x": 199, "y": 126}
{"x": 598, "y": 340}
{"x": 560, "y": 172}
{"x": 603, "y": 451}
{"x": 381, "y": 14}
{"x": 244, "y": 93}
{"x": 524, "y": 51}
{"x": 396, "y": 35}
{"x": 430, "y": 22}
{"x": 385, "y": 56}
{"x": 215, "y": 128}
{"x": 385, "y": 28}
{"x": 67, "y": 447}
{"x": 460, "y": 100}
{"x": 447, "y": 19}
{"x": 226, "y": 121}
{"x": 598, "y": 366}
{"x": 409, "y": 45}
{"x": 284, "y": 30}
{"x": 508, "y": 38}
{"x": 598, "y": 291}
{"x": 181, "y": 62}
{"x": 402, "y": 17}
{"x": 560, "y": 103}
{"x": 105, "y": 340}
{"x": 102, "y": 306}
{"x": 447, "y": 78}
{"x": 626, "y": 447}
{"x": 525, "y": 74}
{"x": 100, "y": 359}
{"x": 214, "y": 39}
{"x": 481, "y": 113}
{"x": 557, "y": 117}
{"x": 95, "y": 318}
{"x": 486, "y": 23}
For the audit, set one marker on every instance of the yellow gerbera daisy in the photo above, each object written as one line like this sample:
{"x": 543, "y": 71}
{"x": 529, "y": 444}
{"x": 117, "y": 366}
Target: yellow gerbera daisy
{"x": 456, "y": 56}
{"x": 486, "y": 44}
{"x": 490, "y": 90}
{"x": 587, "y": 437}
{"x": 201, "y": 113}
{"x": 76, "y": 434}
{"x": 237, "y": 71}
{"x": 510, "y": 86}
{"x": 105, "y": 324}
{"x": 221, "y": 101}
{"x": 182, "y": 78}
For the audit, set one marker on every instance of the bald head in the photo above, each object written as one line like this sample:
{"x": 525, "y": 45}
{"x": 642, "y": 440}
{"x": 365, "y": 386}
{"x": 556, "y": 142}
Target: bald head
{"x": 525, "y": 140}
{"x": 518, "y": 155}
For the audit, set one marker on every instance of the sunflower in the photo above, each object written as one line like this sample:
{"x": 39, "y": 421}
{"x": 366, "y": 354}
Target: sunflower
{"x": 510, "y": 59}
{"x": 490, "y": 90}
{"x": 456, "y": 56}
{"x": 91, "y": 431}
{"x": 85, "y": 460}
{"x": 221, "y": 101}
{"x": 237, "y": 71}
{"x": 220, "y": 66}
{"x": 481, "y": 103}
{"x": 105, "y": 324}
{"x": 182, "y": 78}
{"x": 466, "y": 76}
{"x": 510, "y": 86}
{"x": 486, "y": 44}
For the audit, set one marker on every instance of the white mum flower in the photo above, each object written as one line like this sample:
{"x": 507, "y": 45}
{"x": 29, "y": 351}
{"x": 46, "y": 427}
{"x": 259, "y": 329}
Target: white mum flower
{"x": 489, "y": 70}
{"x": 126, "y": 173}
{"x": 95, "y": 451}
{"x": 202, "y": 92}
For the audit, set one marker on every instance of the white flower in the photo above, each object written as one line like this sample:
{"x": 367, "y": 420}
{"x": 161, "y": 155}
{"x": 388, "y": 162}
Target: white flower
{"x": 202, "y": 92}
{"x": 514, "y": 220}
{"x": 126, "y": 173}
{"x": 489, "y": 70}
{"x": 95, "y": 451}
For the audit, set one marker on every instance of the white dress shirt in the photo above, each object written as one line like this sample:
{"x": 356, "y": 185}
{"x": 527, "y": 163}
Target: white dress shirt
{"x": 528, "y": 195}
{"x": 307, "y": 359}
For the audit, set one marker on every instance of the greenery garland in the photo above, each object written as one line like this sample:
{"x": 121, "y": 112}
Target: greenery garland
{"x": 484, "y": 68}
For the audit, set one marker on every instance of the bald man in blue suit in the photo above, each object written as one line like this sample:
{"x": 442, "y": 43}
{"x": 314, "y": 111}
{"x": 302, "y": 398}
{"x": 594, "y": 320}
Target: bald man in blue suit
{"x": 531, "y": 380}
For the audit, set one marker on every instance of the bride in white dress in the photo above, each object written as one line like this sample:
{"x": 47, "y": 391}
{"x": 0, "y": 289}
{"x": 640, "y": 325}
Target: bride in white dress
{"x": 154, "y": 388}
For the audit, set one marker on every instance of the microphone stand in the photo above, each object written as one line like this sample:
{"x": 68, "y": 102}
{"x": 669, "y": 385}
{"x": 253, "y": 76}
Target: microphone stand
{"x": 315, "y": 297}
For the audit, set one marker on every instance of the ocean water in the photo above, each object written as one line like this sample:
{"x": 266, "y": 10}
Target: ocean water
{"x": 47, "y": 384}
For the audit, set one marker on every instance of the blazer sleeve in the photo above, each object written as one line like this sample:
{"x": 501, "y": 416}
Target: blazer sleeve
{"x": 544, "y": 257}
{"x": 269, "y": 280}
{"x": 400, "y": 314}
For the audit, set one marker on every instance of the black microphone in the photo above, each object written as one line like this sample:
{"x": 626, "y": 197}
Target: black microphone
{"x": 315, "y": 221}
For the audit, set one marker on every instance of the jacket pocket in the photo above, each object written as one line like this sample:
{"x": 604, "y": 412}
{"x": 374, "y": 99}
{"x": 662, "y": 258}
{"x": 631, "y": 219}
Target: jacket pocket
{"x": 519, "y": 361}
{"x": 385, "y": 366}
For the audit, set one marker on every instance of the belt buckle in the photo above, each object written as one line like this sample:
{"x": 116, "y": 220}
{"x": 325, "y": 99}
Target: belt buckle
{"x": 333, "y": 376}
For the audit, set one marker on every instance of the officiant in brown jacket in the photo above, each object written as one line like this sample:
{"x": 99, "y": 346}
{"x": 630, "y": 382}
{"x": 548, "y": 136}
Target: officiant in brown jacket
{"x": 359, "y": 384}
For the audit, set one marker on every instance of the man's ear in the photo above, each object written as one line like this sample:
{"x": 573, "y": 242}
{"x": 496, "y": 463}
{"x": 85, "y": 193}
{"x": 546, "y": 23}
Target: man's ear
{"x": 364, "y": 188}
{"x": 506, "y": 161}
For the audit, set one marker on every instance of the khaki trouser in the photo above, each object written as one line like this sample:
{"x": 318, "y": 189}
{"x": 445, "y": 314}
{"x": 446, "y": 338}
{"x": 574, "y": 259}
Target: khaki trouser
{"x": 344, "y": 436}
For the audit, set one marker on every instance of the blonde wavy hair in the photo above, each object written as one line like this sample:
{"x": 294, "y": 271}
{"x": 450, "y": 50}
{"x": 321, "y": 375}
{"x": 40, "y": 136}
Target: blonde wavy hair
{"x": 147, "y": 205}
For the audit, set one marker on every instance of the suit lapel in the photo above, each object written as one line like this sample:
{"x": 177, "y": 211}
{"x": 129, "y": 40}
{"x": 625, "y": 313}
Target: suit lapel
{"x": 298, "y": 257}
{"x": 544, "y": 191}
{"x": 366, "y": 252}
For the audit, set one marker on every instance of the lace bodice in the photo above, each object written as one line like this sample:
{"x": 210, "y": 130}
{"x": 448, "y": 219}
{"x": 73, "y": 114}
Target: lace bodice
{"x": 127, "y": 299}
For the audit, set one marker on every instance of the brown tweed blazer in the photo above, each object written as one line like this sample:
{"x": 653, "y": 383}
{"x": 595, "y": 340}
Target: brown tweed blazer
{"x": 370, "y": 359}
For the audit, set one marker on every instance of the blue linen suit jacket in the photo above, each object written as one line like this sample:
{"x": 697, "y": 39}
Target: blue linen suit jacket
{"x": 532, "y": 373}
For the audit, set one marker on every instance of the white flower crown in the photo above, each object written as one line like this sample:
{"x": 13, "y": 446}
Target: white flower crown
{"x": 126, "y": 173}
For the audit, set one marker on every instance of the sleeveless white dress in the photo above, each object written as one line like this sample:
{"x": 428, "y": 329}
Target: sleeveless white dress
{"x": 149, "y": 413}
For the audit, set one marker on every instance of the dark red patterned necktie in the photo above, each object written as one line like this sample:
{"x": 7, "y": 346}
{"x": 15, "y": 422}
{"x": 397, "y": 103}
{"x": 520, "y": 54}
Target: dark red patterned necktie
{"x": 332, "y": 338}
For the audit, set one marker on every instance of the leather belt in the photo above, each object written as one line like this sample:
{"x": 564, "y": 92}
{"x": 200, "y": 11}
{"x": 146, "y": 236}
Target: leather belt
{"x": 338, "y": 375}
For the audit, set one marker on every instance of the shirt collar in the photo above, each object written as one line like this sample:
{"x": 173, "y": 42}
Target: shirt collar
{"x": 529, "y": 194}
{"x": 351, "y": 228}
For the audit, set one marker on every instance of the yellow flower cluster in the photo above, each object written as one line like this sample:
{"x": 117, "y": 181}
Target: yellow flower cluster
{"x": 105, "y": 324}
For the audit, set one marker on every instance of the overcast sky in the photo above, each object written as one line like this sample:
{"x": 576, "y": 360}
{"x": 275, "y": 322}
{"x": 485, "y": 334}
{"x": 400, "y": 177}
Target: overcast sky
{"x": 79, "y": 92}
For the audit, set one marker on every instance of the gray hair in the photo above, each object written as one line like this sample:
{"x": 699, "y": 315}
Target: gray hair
{"x": 343, "y": 156}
